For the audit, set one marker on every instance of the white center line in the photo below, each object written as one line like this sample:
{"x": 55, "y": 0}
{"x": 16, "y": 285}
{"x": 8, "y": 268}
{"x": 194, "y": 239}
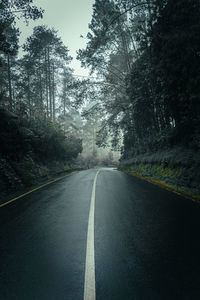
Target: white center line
{"x": 89, "y": 286}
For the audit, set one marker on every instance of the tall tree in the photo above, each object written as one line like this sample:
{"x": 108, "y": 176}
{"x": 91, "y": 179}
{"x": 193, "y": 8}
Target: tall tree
{"x": 145, "y": 50}
{"x": 9, "y": 34}
{"x": 49, "y": 54}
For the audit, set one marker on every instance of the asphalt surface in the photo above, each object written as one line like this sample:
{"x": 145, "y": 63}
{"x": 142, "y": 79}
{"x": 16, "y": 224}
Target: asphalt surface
{"x": 147, "y": 241}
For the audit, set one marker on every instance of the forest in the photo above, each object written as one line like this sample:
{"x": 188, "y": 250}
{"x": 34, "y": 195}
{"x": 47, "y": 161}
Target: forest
{"x": 142, "y": 99}
{"x": 42, "y": 132}
{"x": 148, "y": 54}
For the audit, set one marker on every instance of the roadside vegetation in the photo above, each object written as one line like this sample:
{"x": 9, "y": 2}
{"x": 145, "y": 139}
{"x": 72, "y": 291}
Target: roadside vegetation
{"x": 43, "y": 133}
{"x": 148, "y": 55}
{"x": 32, "y": 151}
{"x": 34, "y": 143}
{"x": 142, "y": 98}
{"x": 176, "y": 169}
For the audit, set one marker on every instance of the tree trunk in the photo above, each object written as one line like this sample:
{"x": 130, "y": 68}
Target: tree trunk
{"x": 53, "y": 92}
{"x": 46, "y": 83}
{"x": 9, "y": 82}
{"x": 49, "y": 83}
{"x": 40, "y": 85}
{"x": 29, "y": 98}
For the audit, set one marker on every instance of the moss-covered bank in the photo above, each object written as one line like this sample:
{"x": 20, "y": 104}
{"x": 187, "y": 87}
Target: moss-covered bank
{"x": 177, "y": 169}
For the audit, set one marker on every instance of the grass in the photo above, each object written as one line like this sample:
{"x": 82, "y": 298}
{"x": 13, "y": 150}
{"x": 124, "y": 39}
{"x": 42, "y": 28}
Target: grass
{"x": 167, "y": 186}
{"x": 176, "y": 168}
{"x": 178, "y": 179}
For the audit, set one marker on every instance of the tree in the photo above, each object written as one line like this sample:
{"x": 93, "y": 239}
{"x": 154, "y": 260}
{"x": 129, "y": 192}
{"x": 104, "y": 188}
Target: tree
{"x": 9, "y": 11}
{"x": 49, "y": 54}
{"x": 9, "y": 35}
{"x": 144, "y": 51}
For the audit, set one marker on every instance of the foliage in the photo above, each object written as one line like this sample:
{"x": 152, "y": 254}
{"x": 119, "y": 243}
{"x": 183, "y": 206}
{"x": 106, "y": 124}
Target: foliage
{"x": 148, "y": 54}
{"x": 9, "y": 10}
{"x": 42, "y": 139}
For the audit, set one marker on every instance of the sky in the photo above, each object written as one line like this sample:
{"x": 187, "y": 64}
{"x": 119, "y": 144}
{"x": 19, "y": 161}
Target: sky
{"x": 70, "y": 18}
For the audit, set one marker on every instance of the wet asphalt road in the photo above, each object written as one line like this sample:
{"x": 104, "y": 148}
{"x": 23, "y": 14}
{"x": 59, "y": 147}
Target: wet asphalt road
{"x": 147, "y": 241}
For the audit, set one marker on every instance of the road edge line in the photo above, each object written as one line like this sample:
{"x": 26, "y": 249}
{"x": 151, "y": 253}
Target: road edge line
{"x": 165, "y": 186}
{"x": 32, "y": 190}
{"x": 89, "y": 284}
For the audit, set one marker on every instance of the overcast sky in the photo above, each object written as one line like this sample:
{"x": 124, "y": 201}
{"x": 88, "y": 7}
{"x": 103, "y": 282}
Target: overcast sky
{"x": 70, "y": 18}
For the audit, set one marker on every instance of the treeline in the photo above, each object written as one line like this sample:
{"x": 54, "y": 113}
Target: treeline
{"x": 35, "y": 95}
{"x": 36, "y": 86}
{"x": 148, "y": 53}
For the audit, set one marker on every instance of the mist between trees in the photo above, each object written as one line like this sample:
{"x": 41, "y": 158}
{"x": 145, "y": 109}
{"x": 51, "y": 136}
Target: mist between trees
{"x": 148, "y": 54}
{"x": 145, "y": 101}
{"x": 43, "y": 130}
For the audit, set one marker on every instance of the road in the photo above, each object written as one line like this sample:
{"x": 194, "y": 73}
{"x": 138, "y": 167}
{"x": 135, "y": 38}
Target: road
{"x": 146, "y": 241}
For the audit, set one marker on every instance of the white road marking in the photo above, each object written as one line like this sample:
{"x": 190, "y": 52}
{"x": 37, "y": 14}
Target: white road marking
{"x": 89, "y": 286}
